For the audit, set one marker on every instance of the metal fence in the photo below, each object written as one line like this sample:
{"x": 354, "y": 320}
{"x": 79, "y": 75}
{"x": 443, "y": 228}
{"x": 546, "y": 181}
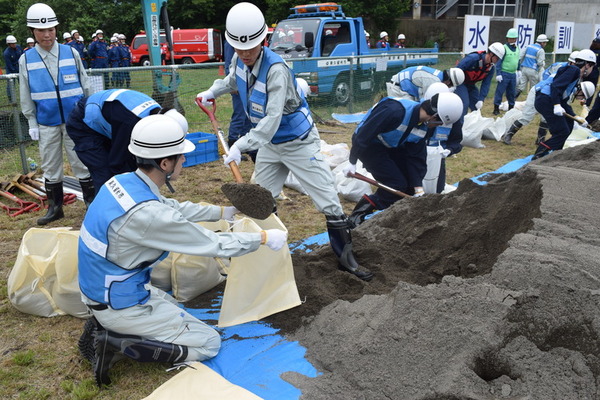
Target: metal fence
{"x": 177, "y": 86}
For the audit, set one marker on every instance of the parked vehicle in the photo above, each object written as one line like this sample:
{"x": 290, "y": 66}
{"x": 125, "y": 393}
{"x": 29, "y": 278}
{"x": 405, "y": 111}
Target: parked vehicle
{"x": 321, "y": 43}
{"x": 189, "y": 46}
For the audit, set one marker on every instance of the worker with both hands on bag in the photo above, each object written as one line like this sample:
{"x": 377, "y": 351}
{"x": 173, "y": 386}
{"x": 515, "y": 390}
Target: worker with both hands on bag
{"x": 128, "y": 229}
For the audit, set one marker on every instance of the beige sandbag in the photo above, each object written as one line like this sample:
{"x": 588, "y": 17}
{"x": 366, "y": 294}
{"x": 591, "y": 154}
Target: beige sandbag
{"x": 261, "y": 283}
{"x": 43, "y": 280}
{"x": 200, "y": 382}
{"x": 160, "y": 276}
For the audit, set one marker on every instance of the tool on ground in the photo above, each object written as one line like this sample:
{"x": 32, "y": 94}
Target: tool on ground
{"x": 373, "y": 182}
{"x": 252, "y": 200}
{"x": 24, "y": 206}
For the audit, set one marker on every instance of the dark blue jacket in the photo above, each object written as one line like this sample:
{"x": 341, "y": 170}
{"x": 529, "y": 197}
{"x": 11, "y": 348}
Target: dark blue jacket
{"x": 11, "y": 59}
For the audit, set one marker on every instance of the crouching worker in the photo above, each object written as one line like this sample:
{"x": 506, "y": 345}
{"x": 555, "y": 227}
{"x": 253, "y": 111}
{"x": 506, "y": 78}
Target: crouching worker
{"x": 126, "y": 231}
{"x": 391, "y": 143}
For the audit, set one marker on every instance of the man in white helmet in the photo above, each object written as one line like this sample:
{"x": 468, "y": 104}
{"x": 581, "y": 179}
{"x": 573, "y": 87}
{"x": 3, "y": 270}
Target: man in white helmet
{"x": 67, "y": 38}
{"x": 125, "y": 59}
{"x": 506, "y": 72}
{"x": 98, "y": 53}
{"x": 411, "y": 83}
{"x": 78, "y": 45}
{"x": 368, "y": 37}
{"x": 100, "y": 126}
{"x": 552, "y": 99}
{"x": 12, "y": 53}
{"x": 533, "y": 62}
{"x": 478, "y": 67}
{"x": 383, "y": 41}
{"x": 283, "y": 130}
{"x": 126, "y": 231}
{"x": 391, "y": 143}
{"x": 52, "y": 80}
{"x": 401, "y": 43}
{"x": 30, "y": 44}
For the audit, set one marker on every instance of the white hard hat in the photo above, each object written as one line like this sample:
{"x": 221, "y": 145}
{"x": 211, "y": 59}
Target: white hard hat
{"x": 457, "y": 76}
{"x": 572, "y": 56}
{"x": 74, "y": 31}
{"x": 113, "y": 39}
{"x": 158, "y": 136}
{"x": 497, "y": 48}
{"x": 66, "y": 35}
{"x": 367, "y": 34}
{"x": 542, "y": 38}
{"x": 435, "y": 88}
{"x": 245, "y": 26}
{"x": 448, "y": 106}
{"x": 328, "y": 32}
{"x": 179, "y": 118}
{"x": 30, "y": 40}
{"x": 115, "y": 35}
{"x": 383, "y": 34}
{"x": 122, "y": 37}
{"x": 11, "y": 39}
{"x": 588, "y": 89}
{"x": 586, "y": 55}
{"x": 401, "y": 36}
{"x": 302, "y": 87}
{"x": 290, "y": 33}
{"x": 41, "y": 16}
{"x": 99, "y": 31}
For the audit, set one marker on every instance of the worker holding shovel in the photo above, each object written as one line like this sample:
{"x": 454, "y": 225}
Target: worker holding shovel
{"x": 391, "y": 143}
{"x": 283, "y": 130}
{"x": 128, "y": 229}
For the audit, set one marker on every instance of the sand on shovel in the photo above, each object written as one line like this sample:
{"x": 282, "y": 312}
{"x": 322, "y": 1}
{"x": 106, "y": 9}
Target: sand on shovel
{"x": 250, "y": 199}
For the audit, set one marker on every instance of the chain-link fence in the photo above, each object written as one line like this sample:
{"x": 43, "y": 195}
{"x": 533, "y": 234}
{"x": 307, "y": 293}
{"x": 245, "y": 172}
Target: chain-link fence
{"x": 342, "y": 85}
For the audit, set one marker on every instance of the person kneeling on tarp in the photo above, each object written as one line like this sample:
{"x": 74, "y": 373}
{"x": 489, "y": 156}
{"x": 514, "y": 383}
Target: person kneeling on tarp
{"x": 127, "y": 230}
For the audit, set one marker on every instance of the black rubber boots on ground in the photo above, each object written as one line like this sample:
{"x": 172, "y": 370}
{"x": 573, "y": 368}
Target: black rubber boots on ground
{"x": 340, "y": 238}
{"x": 87, "y": 190}
{"x": 514, "y": 128}
{"x": 103, "y": 349}
{"x": 54, "y": 192}
{"x": 496, "y": 109}
{"x": 363, "y": 208}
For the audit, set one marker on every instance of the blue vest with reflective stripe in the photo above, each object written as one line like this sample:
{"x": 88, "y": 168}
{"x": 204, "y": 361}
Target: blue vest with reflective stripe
{"x": 530, "y": 59}
{"x": 138, "y": 103}
{"x": 544, "y": 87}
{"x": 405, "y": 79}
{"x": 53, "y": 103}
{"x": 551, "y": 70}
{"x": 254, "y": 99}
{"x": 392, "y": 138}
{"x": 440, "y": 135}
{"x": 100, "y": 279}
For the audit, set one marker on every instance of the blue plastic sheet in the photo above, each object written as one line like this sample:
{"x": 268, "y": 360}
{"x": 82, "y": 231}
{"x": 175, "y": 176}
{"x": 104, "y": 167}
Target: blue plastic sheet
{"x": 512, "y": 166}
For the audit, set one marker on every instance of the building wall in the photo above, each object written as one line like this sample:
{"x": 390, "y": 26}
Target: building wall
{"x": 585, "y": 14}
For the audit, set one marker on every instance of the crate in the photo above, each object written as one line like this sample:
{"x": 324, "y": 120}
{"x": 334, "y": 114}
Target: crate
{"x": 207, "y": 149}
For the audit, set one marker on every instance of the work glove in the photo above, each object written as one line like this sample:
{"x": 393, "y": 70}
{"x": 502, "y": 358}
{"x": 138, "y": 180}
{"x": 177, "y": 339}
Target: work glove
{"x": 233, "y": 155}
{"x": 349, "y": 169}
{"x": 205, "y": 97}
{"x": 34, "y": 133}
{"x": 227, "y": 213}
{"x": 558, "y": 110}
{"x": 478, "y": 105}
{"x": 275, "y": 239}
{"x": 581, "y": 121}
{"x": 419, "y": 192}
{"x": 499, "y": 78}
{"x": 445, "y": 153}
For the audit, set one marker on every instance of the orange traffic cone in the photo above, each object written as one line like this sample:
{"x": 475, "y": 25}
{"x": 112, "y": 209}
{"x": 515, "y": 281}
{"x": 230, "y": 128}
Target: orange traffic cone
{"x": 221, "y": 70}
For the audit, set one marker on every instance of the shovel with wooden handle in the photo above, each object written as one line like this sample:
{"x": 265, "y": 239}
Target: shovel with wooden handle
{"x": 373, "y": 182}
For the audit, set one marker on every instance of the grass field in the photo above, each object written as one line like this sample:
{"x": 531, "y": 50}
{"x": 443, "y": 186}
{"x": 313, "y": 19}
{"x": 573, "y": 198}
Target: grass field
{"x": 39, "y": 357}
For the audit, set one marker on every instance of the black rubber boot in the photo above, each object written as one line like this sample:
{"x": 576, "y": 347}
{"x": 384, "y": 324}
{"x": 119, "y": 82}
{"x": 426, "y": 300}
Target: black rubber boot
{"x": 511, "y": 106}
{"x": 496, "y": 109}
{"x": 364, "y": 207}
{"x": 541, "y": 151}
{"x": 541, "y": 134}
{"x": 110, "y": 347}
{"x": 340, "y": 239}
{"x": 517, "y": 94}
{"x": 514, "y": 128}
{"x": 86, "y": 340}
{"x": 54, "y": 192}
{"x": 88, "y": 191}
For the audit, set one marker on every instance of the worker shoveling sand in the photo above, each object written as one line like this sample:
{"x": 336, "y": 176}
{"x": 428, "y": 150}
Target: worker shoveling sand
{"x": 489, "y": 292}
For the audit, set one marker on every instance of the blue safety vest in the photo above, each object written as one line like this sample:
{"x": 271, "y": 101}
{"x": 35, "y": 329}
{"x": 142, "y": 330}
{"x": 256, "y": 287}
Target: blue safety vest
{"x": 138, "y": 103}
{"x": 295, "y": 125}
{"x": 530, "y": 59}
{"x": 544, "y": 87}
{"x": 440, "y": 135}
{"x": 100, "y": 279}
{"x": 551, "y": 70}
{"x": 53, "y": 102}
{"x": 404, "y": 79}
{"x": 398, "y": 136}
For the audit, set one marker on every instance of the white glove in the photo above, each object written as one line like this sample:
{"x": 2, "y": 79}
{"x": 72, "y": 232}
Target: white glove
{"x": 558, "y": 110}
{"x": 205, "y": 96}
{"x": 419, "y": 192}
{"x": 34, "y": 133}
{"x": 478, "y": 105}
{"x": 581, "y": 121}
{"x": 228, "y": 212}
{"x": 349, "y": 169}
{"x": 234, "y": 155}
{"x": 276, "y": 239}
{"x": 445, "y": 153}
{"x": 498, "y": 78}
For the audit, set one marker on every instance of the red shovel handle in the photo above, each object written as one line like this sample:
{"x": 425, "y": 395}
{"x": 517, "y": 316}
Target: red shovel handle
{"x": 373, "y": 182}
